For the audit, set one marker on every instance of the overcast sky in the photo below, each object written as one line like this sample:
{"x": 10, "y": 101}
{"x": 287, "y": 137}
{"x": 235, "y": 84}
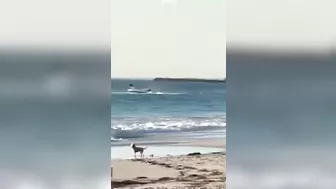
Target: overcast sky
{"x": 169, "y": 38}
{"x": 285, "y": 23}
{"x": 174, "y": 38}
{"x": 61, "y": 24}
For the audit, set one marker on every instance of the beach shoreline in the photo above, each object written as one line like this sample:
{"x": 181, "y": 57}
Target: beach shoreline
{"x": 188, "y": 170}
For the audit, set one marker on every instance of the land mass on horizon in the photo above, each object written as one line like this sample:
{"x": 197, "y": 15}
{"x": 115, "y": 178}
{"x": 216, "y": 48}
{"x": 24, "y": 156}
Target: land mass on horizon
{"x": 190, "y": 79}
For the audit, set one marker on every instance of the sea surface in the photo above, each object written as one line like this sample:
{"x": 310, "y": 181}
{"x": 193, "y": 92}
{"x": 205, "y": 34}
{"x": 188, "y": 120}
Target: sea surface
{"x": 55, "y": 118}
{"x": 179, "y": 109}
{"x": 282, "y": 120}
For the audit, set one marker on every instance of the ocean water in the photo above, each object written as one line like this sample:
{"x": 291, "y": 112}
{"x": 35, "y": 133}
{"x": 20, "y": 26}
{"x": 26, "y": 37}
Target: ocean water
{"x": 179, "y": 109}
{"x": 54, "y": 120}
{"x": 282, "y": 121}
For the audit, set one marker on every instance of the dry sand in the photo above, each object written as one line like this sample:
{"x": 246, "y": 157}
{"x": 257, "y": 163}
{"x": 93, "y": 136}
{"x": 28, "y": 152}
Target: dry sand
{"x": 184, "y": 171}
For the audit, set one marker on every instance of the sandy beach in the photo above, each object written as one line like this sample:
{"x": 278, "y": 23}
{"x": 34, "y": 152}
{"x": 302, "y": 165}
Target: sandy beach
{"x": 190, "y": 170}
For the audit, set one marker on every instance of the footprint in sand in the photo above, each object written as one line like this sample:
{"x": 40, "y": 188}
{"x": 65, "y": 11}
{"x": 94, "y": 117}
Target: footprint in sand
{"x": 165, "y": 179}
{"x": 216, "y": 172}
{"x": 188, "y": 167}
{"x": 168, "y": 166}
{"x": 204, "y": 170}
{"x": 197, "y": 176}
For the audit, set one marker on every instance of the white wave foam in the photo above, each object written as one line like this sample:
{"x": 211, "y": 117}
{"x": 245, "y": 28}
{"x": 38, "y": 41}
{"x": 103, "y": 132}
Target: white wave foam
{"x": 152, "y": 93}
{"x": 117, "y": 139}
{"x": 130, "y": 128}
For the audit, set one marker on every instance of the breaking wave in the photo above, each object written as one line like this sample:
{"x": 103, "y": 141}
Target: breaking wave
{"x": 134, "y": 128}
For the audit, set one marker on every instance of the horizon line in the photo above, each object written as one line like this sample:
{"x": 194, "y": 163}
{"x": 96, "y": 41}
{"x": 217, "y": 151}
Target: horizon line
{"x": 146, "y": 78}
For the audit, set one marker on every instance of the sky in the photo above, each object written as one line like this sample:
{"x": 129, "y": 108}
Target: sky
{"x": 60, "y": 24}
{"x": 168, "y": 38}
{"x": 278, "y": 24}
{"x": 173, "y": 38}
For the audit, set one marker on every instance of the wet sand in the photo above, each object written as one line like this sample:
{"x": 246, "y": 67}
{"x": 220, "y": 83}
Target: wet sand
{"x": 181, "y": 171}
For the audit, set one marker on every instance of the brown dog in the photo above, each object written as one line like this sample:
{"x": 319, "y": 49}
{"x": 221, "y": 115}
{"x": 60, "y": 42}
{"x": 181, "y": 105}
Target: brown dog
{"x": 138, "y": 149}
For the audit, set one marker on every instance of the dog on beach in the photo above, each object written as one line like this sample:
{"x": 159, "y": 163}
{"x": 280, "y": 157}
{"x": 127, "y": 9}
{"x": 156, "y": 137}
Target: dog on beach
{"x": 138, "y": 149}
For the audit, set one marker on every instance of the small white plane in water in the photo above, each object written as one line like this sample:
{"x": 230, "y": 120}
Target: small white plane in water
{"x": 131, "y": 89}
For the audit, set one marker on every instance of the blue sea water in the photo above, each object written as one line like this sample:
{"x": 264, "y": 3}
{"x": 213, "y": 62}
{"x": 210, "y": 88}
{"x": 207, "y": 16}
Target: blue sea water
{"x": 174, "y": 108}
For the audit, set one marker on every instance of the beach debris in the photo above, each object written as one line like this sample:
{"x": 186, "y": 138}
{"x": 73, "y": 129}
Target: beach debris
{"x": 141, "y": 178}
{"x": 221, "y": 153}
{"x": 126, "y": 183}
{"x": 194, "y": 154}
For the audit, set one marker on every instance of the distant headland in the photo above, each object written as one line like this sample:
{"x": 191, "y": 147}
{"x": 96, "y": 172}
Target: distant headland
{"x": 190, "y": 80}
